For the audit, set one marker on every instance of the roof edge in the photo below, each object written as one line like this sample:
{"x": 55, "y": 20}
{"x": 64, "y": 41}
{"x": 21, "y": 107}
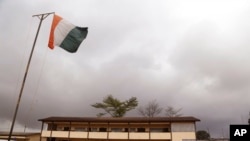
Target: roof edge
{"x": 119, "y": 119}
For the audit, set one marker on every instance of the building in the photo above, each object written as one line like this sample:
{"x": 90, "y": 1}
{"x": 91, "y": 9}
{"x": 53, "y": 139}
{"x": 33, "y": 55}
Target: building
{"x": 114, "y": 129}
{"x": 21, "y": 136}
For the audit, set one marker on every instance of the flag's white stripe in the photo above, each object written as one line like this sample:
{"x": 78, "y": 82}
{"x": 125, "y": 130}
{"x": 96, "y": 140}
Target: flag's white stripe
{"x": 61, "y": 31}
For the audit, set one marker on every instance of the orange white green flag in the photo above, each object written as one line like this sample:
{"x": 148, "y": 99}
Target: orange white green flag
{"x": 66, "y": 35}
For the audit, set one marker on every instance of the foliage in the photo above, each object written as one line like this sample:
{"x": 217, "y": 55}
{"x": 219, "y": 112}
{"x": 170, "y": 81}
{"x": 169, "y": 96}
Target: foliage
{"x": 115, "y": 107}
{"x": 150, "y": 110}
{"x": 171, "y": 112}
{"x": 202, "y": 135}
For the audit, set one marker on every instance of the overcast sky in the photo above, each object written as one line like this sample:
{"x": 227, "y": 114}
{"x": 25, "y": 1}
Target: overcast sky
{"x": 190, "y": 54}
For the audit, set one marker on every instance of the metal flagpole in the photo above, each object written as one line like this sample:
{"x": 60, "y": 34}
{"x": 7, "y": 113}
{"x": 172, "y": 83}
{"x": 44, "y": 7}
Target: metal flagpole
{"x": 41, "y": 17}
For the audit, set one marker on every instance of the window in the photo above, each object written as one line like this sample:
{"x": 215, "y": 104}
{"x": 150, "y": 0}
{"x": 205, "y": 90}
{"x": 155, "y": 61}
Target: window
{"x": 80, "y": 129}
{"x": 60, "y": 128}
{"x": 116, "y": 129}
{"x": 52, "y": 126}
{"x": 66, "y": 129}
{"x": 51, "y": 139}
{"x": 61, "y": 140}
{"x": 102, "y": 129}
{"x": 140, "y": 129}
{"x": 94, "y": 129}
{"x": 159, "y": 130}
{"x": 132, "y": 129}
{"x": 166, "y": 130}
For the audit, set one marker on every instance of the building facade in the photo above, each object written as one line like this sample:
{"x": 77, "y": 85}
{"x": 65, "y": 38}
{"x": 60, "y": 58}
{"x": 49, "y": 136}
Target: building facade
{"x": 114, "y": 129}
{"x": 21, "y": 136}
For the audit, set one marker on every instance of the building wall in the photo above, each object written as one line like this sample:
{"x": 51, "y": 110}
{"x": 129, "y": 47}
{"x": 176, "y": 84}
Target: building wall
{"x": 35, "y": 138}
{"x": 24, "y": 137}
{"x": 180, "y": 136}
{"x": 183, "y": 131}
{"x": 127, "y": 131}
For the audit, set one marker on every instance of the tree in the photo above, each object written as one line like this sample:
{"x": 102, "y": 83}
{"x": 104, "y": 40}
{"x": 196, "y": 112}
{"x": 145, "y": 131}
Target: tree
{"x": 202, "y": 135}
{"x": 115, "y": 107}
{"x": 150, "y": 110}
{"x": 171, "y": 112}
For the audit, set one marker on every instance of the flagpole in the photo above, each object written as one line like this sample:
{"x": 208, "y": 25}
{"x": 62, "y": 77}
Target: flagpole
{"x": 41, "y": 17}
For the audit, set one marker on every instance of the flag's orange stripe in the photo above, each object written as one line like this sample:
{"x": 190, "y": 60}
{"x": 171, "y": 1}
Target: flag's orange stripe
{"x": 56, "y": 20}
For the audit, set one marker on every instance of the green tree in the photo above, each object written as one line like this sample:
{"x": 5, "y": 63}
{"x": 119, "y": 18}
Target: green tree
{"x": 116, "y": 107}
{"x": 202, "y": 135}
{"x": 150, "y": 110}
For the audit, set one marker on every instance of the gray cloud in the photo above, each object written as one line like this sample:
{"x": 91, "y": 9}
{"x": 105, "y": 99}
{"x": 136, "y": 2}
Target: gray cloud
{"x": 180, "y": 53}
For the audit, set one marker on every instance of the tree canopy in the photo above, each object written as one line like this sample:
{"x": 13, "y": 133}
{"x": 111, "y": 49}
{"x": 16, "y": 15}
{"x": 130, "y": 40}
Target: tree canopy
{"x": 116, "y": 107}
{"x": 172, "y": 112}
{"x": 202, "y": 135}
{"x": 150, "y": 110}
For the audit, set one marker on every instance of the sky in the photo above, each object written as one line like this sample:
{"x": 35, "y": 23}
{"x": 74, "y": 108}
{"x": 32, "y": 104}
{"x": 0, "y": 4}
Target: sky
{"x": 192, "y": 55}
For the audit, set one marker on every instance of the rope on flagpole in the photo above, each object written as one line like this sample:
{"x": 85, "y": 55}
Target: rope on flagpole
{"x": 32, "y": 104}
{"x": 41, "y": 17}
{"x": 35, "y": 94}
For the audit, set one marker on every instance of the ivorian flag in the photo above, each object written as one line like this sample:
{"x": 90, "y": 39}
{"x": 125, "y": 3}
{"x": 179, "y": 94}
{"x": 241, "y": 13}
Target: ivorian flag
{"x": 66, "y": 35}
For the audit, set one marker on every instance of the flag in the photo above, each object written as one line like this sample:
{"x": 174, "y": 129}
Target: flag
{"x": 66, "y": 35}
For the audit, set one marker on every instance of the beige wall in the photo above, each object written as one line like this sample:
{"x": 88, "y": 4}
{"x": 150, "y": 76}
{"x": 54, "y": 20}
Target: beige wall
{"x": 28, "y": 137}
{"x": 178, "y": 136}
{"x": 110, "y": 135}
{"x": 118, "y": 135}
{"x": 36, "y": 138}
{"x": 160, "y": 135}
{"x": 78, "y": 134}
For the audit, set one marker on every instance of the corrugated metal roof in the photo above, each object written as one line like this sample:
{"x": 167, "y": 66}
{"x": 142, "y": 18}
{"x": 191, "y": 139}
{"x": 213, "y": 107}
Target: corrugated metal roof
{"x": 119, "y": 119}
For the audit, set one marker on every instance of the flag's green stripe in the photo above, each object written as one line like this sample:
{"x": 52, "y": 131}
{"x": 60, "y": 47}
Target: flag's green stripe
{"x": 74, "y": 38}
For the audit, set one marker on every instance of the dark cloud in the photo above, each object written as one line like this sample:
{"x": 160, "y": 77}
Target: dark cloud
{"x": 180, "y": 54}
